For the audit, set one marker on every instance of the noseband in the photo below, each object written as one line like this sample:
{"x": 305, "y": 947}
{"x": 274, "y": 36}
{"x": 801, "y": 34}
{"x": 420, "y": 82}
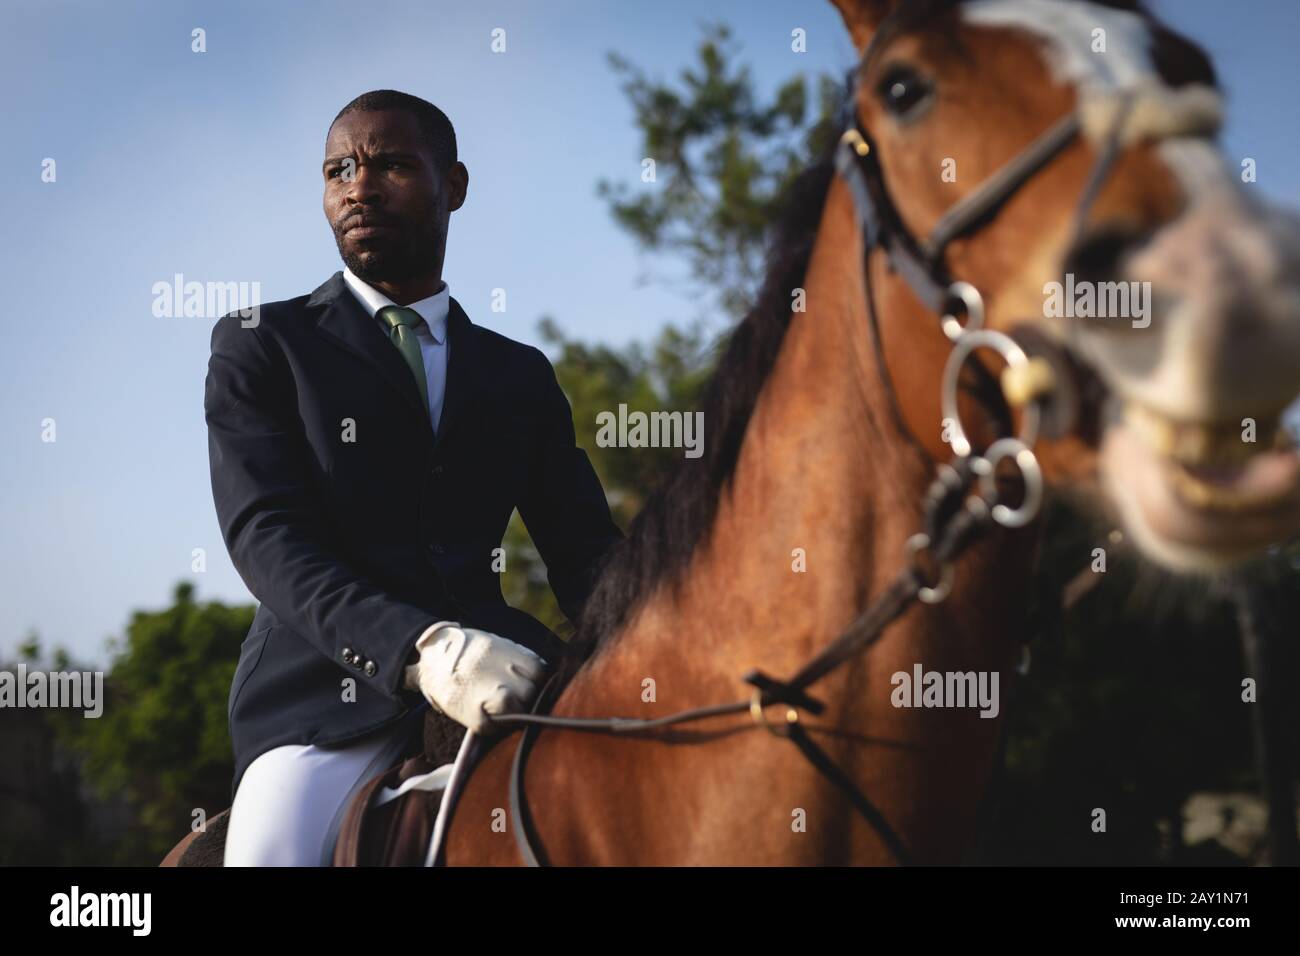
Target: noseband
{"x": 961, "y": 503}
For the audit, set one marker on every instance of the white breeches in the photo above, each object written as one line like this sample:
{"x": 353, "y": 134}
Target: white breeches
{"x": 291, "y": 799}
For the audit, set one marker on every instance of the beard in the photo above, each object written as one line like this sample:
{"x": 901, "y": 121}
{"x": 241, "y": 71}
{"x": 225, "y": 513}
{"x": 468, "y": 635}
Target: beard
{"x": 407, "y": 253}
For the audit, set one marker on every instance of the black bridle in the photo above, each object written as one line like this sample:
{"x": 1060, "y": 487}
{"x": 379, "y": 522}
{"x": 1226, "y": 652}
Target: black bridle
{"x": 961, "y": 503}
{"x": 920, "y": 261}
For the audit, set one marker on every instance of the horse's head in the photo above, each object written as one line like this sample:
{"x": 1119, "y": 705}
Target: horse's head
{"x": 1059, "y": 157}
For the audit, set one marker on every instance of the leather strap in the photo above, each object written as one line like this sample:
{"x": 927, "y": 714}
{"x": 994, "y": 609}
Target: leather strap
{"x": 521, "y": 824}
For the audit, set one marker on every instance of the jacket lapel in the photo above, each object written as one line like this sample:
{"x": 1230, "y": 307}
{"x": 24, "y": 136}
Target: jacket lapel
{"x": 345, "y": 322}
{"x": 465, "y": 375}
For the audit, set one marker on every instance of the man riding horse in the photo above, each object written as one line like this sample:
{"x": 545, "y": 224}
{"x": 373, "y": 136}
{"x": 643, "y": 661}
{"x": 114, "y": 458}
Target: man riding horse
{"x": 368, "y": 445}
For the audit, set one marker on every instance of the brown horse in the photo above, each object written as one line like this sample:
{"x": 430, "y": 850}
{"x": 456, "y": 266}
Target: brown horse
{"x": 827, "y": 425}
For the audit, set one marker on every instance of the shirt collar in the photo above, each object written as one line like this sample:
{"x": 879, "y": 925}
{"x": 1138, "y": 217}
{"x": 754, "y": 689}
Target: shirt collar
{"x": 433, "y": 309}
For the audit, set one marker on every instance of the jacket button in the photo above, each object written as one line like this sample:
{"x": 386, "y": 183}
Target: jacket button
{"x": 348, "y": 655}
{"x": 358, "y": 661}
{"x": 371, "y": 669}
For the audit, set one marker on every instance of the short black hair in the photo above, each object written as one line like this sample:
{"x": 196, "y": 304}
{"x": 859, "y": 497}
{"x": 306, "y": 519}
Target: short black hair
{"x": 434, "y": 124}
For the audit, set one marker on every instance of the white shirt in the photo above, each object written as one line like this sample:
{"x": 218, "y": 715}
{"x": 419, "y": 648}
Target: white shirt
{"x": 431, "y": 334}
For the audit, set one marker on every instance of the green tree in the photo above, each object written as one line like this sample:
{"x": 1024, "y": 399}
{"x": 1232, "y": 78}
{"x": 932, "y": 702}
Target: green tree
{"x": 163, "y": 739}
{"x": 724, "y": 162}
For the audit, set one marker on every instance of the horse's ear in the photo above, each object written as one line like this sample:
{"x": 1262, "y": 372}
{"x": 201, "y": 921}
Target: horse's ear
{"x": 862, "y": 17}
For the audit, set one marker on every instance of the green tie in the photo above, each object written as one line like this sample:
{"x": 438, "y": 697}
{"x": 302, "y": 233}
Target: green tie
{"x": 401, "y": 323}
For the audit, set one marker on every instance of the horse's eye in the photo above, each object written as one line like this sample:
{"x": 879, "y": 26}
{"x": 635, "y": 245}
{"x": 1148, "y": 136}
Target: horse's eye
{"x": 903, "y": 90}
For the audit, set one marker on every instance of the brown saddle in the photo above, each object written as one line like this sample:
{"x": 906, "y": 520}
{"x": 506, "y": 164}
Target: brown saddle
{"x": 396, "y": 834}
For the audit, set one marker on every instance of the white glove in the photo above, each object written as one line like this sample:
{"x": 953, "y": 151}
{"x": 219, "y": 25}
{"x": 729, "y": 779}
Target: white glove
{"x": 471, "y": 675}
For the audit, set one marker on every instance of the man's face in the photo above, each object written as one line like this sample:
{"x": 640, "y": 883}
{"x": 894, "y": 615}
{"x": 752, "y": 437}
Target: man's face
{"x": 390, "y": 218}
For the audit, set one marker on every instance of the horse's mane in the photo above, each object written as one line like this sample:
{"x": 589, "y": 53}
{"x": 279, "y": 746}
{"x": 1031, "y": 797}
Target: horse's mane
{"x": 679, "y": 515}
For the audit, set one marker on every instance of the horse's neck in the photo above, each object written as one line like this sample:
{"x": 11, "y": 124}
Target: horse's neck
{"x": 822, "y": 473}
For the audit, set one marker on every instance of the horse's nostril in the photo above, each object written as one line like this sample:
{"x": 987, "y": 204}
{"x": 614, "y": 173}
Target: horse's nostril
{"x": 1100, "y": 254}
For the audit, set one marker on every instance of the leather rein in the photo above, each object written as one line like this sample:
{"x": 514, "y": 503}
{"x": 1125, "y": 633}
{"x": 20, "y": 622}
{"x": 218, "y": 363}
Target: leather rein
{"x": 962, "y": 502}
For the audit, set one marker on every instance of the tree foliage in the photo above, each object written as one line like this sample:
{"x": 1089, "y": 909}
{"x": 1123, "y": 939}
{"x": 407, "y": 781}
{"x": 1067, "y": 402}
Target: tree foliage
{"x": 724, "y": 160}
{"x": 163, "y": 740}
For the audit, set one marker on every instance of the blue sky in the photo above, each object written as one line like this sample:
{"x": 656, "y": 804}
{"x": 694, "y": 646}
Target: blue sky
{"x": 208, "y": 165}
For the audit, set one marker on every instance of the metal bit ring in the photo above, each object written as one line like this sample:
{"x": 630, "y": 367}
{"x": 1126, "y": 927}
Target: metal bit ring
{"x": 972, "y": 304}
{"x": 929, "y": 594}
{"x": 962, "y": 350}
{"x": 1030, "y": 473}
